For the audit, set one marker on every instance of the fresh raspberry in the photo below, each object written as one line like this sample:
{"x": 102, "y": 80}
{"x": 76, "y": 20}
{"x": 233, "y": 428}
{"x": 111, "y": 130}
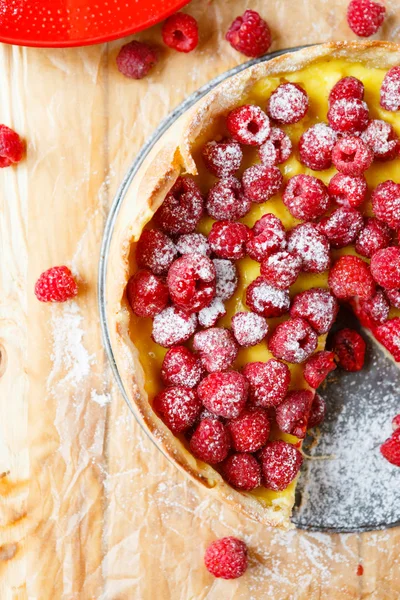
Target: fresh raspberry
{"x": 135, "y": 59}
{"x": 217, "y": 348}
{"x": 365, "y": 17}
{"x": 249, "y": 34}
{"x": 348, "y": 191}
{"x": 250, "y": 431}
{"x": 317, "y": 412}
{"x": 260, "y": 183}
{"x": 373, "y": 237}
{"x": 249, "y": 125}
{"x": 281, "y": 269}
{"x": 277, "y": 149}
{"x": 268, "y": 381}
{"x": 306, "y": 197}
{"x": 266, "y": 300}
{"x": 342, "y": 226}
{"x": 222, "y": 158}
{"x": 350, "y": 276}
{"x": 210, "y": 441}
{"x": 352, "y": 156}
{"x": 209, "y": 315}
{"x": 316, "y": 145}
{"x": 242, "y": 471}
{"x": 287, "y": 104}
{"x": 228, "y": 240}
{"x": 349, "y": 347}
{"x": 348, "y": 115}
{"x": 376, "y": 308}
{"x": 394, "y": 297}
{"x": 306, "y": 242}
{"x": 385, "y": 267}
{"x": 269, "y": 236}
{"x": 347, "y": 87}
{"x": 227, "y": 278}
{"x": 191, "y": 282}
{"x": 182, "y": 208}
{"x": 193, "y": 243}
{"x": 390, "y": 90}
{"x": 391, "y": 449}
{"x": 318, "y": 307}
{"x": 178, "y": 407}
{"x": 292, "y": 413}
{"x": 226, "y": 200}
{"x": 173, "y": 326}
{"x": 147, "y": 294}
{"x": 181, "y": 367}
{"x": 11, "y": 147}
{"x": 382, "y": 139}
{"x": 386, "y": 203}
{"x": 388, "y": 334}
{"x": 180, "y": 32}
{"x": 155, "y": 251}
{"x": 56, "y": 285}
{"x": 396, "y": 422}
{"x": 280, "y": 463}
{"x": 224, "y": 394}
{"x": 318, "y": 367}
{"x": 293, "y": 341}
{"x": 226, "y": 558}
{"x": 248, "y": 328}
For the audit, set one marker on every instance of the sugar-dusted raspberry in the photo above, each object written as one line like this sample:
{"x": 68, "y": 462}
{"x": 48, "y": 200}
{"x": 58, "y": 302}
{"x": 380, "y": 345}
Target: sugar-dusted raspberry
{"x": 382, "y": 139}
{"x": 181, "y": 367}
{"x": 182, "y": 208}
{"x": 268, "y": 381}
{"x": 396, "y": 422}
{"x": 193, "y": 243}
{"x": 217, "y": 348}
{"x": 222, "y": 158}
{"x": 242, "y": 471}
{"x": 147, "y": 294}
{"x": 248, "y": 328}
{"x": 347, "y": 87}
{"x": 209, "y": 315}
{"x": 249, "y": 34}
{"x": 294, "y": 341}
{"x": 210, "y": 441}
{"x": 224, "y": 394}
{"x": 249, "y": 125}
{"x": 180, "y": 32}
{"x": 11, "y": 147}
{"x": 250, "y": 431}
{"x": 311, "y": 246}
{"x": 288, "y": 103}
{"x": 292, "y": 413}
{"x": 191, "y": 282}
{"x": 374, "y": 236}
{"x": 318, "y": 307}
{"x": 388, "y": 334}
{"x": 391, "y": 449}
{"x": 155, "y": 251}
{"x": 227, "y": 278}
{"x": 377, "y": 307}
{"x": 57, "y": 284}
{"x": 135, "y": 59}
{"x": 228, "y": 240}
{"x": 178, "y": 407}
{"x": 390, "y": 90}
{"x": 226, "y": 200}
{"x": 394, "y": 297}
{"x": 385, "y": 267}
{"x": 350, "y": 276}
{"x": 260, "y": 183}
{"x": 173, "y": 326}
{"x": 365, "y": 17}
{"x": 386, "y": 203}
{"x": 349, "y": 347}
{"x": 352, "y": 156}
{"x": 348, "y": 191}
{"x": 348, "y": 115}
{"x": 277, "y": 149}
{"x": 281, "y": 269}
{"x": 342, "y": 226}
{"x": 318, "y": 367}
{"x": 226, "y": 558}
{"x": 269, "y": 236}
{"x": 267, "y": 300}
{"x": 280, "y": 463}
{"x": 316, "y": 145}
{"x": 317, "y": 412}
{"x": 306, "y": 197}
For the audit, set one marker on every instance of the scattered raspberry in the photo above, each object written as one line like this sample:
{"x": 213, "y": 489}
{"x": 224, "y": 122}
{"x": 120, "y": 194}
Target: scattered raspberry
{"x": 382, "y": 139}
{"x": 394, "y": 297}
{"x": 317, "y": 412}
{"x": 266, "y": 300}
{"x": 242, "y": 471}
{"x": 318, "y": 367}
{"x": 269, "y": 236}
{"x": 155, "y": 251}
{"x": 56, "y": 285}
{"x": 349, "y": 277}
{"x": 306, "y": 197}
{"x": 217, "y": 348}
{"x": 210, "y": 441}
{"x": 385, "y": 267}
{"x": 376, "y": 308}
{"x": 226, "y": 558}
{"x": 347, "y": 87}
{"x": 228, "y": 240}
{"x": 181, "y": 367}
{"x": 268, "y": 381}
{"x": 390, "y": 90}
{"x": 373, "y": 237}
{"x": 316, "y": 145}
{"x": 173, "y": 326}
{"x": 287, "y": 104}
{"x": 260, "y": 183}
{"x": 224, "y": 394}
{"x": 222, "y": 158}
{"x": 292, "y": 413}
{"x": 147, "y": 294}
{"x": 248, "y": 328}
{"x": 352, "y": 156}
{"x": 348, "y": 116}
{"x": 348, "y": 191}
{"x": 182, "y": 208}
{"x": 391, "y": 449}
{"x": 277, "y": 149}
{"x": 209, "y": 315}
{"x": 293, "y": 341}
{"x": 342, "y": 226}
{"x": 226, "y": 200}
{"x": 249, "y": 34}
{"x": 178, "y": 407}
{"x": 396, "y": 422}
{"x": 311, "y": 246}
{"x": 191, "y": 282}
{"x": 349, "y": 347}
{"x": 249, "y": 125}
{"x": 281, "y": 269}
{"x": 386, "y": 203}
{"x": 135, "y": 59}
{"x": 250, "y": 431}
{"x": 388, "y": 334}
{"x": 180, "y": 32}
{"x": 365, "y": 17}
{"x": 227, "y": 278}
{"x": 11, "y": 147}
{"x": 280, "y": 463}
{"x": 318, "y": 307}
{"x": 193, "y": 243}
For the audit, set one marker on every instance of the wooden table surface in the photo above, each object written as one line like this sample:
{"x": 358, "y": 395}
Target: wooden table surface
{"x": 89, "y": 509}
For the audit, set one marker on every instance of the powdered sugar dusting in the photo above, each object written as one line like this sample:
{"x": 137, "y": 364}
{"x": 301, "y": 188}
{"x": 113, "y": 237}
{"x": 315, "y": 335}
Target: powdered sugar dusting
{"x": 173, "y": 326}
{"x": 227, "y": 278}
{"x": 209, "y": 315}
{"x": 312, "y": 247}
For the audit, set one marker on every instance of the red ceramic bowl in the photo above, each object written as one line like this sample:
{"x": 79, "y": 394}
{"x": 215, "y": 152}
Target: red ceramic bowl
{"x": 61, "y": 23}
